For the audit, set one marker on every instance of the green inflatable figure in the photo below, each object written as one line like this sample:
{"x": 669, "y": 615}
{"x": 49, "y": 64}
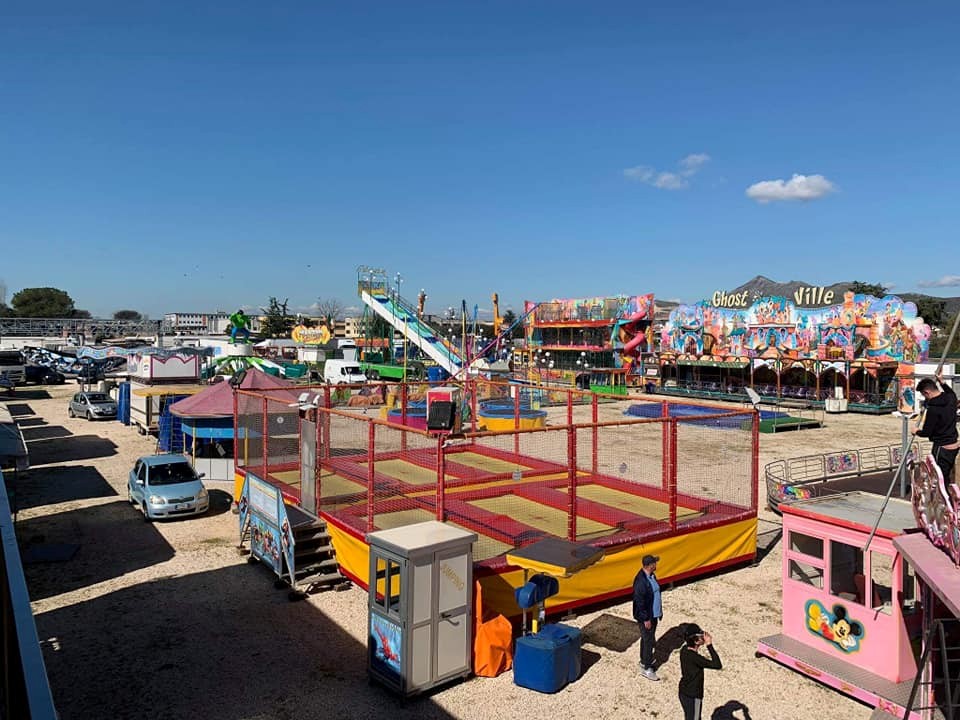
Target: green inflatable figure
{"x": 239, "y": 322}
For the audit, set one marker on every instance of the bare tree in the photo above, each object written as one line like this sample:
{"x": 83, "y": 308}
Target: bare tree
{"x": 330, "y": 308}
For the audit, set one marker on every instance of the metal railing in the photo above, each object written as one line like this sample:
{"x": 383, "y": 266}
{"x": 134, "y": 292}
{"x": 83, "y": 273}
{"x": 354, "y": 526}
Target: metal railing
{"x": 936, "y": 689}
{"x": 26, "y": 689}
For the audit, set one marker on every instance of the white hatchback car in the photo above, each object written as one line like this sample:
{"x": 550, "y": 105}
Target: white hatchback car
{"x": 166, "y": 486}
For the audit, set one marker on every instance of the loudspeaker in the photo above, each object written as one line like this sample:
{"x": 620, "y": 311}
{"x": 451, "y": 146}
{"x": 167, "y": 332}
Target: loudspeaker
{"x": 441, "y": 415}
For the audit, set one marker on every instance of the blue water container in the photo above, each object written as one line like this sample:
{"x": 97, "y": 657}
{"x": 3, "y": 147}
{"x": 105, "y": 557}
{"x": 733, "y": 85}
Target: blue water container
{"x": 123, "y": 403}
{"x": 542, "y": 662}
{"x": 559, "y": 630}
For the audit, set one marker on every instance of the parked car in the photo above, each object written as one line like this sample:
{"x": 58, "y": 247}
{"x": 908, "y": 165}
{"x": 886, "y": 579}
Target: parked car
{"x": 166, "y": 486}
{"x": 42, "y": 375}
{"x": 92, "y": 406}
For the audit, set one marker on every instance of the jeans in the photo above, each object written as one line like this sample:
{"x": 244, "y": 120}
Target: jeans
{"x": 945, "y": 459}
{"x": 648, "y": 641}
{"x": 691, "y": 707}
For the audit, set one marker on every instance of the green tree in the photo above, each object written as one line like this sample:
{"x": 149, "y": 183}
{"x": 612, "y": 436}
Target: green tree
{"x": 938, "y": 339}
{"x": 81, "y": 314}
{"x": 127, "y": 315}
{"x": 6, "y": 311}
{"x": 43, "y": 302}
{"x": 277, "y": 322}
{"x": 932, "y": 310}
{"x": 862, "y": 288}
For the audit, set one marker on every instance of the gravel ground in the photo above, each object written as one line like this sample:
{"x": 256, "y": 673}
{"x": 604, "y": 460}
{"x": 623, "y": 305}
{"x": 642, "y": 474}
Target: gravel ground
{"x": 167, "y": 620}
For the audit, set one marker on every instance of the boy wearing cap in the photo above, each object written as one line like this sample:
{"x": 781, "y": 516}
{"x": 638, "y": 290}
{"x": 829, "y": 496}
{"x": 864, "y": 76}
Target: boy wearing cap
{"x": 647, "y": 611}
{"x": 692, "y": 665}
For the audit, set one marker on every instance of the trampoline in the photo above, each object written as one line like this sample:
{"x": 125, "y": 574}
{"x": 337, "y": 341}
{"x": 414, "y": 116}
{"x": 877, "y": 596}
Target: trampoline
{"x": 678, "y": 410}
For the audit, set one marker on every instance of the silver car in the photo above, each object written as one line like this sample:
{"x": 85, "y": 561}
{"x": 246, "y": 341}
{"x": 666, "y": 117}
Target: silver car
{"x": 92, "y": 406}
{"x": 166, "y": 486}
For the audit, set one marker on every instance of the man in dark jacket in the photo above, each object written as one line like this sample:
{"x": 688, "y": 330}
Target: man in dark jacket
{"x": 940, "y": 423}
{"x": 647, "y": 611}
{"x": 692, "y": 665}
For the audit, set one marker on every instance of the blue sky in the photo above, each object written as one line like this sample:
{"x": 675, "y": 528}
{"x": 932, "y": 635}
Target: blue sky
{"x": 195, "y": 156}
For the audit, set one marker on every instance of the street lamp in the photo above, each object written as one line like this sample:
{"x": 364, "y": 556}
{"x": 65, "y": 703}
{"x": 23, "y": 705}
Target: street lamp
{"x": 399, "y": 279}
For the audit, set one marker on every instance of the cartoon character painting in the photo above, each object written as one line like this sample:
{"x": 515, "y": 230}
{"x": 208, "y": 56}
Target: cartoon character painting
{"x": 837, "y": 627}
{"x": 385, "y": 643}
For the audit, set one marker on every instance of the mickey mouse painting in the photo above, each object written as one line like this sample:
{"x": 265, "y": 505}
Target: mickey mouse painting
{"x": 836, "y": 626}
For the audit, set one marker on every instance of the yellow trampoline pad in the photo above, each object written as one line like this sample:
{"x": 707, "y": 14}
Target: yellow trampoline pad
{"x": 332, "y": 485}
{"x": 405, "y": 471}
{"x": 483, "y": 462}
{"x": 534, "y": 514}
{"x": 386, "y": 521}
{"x": 290, "y": 477}
{"x": 653, "y": 509}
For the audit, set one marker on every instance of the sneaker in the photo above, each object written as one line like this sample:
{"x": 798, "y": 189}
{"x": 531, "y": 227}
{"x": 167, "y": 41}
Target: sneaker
{"x": 650, "y": 674}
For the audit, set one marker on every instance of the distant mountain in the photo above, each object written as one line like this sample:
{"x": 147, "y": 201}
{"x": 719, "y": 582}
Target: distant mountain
{"x": 766, "y": 286}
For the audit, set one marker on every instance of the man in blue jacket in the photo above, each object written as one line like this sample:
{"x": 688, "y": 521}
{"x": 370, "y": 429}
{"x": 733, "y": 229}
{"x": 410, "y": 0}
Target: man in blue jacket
{"x": 647, "y": 611}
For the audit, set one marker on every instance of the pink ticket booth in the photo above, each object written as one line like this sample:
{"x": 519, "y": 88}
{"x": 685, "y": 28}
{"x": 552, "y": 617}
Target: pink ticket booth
{"x": 850, "y": 619}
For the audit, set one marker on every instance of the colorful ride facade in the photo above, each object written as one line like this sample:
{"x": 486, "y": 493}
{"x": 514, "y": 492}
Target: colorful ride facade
{"x": 593, "y": 342}
{"x": 865, "y": 346}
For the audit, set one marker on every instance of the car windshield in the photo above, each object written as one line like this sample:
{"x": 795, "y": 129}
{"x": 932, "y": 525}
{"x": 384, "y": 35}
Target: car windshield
{"x": 352, "y": 370}
{"x": 99, "y": 398}
{"x": 171, "y": 474}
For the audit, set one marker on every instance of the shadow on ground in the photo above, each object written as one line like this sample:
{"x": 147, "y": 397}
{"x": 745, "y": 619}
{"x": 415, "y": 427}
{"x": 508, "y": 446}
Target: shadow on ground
{"x": 113, "y": 541}
{"x": 43, "y": 432}
{"x": 57, "y": 484}
{"x": 614, "y": 633}
{"x": 80, "y": 447}
{"x": 222, "y": 644}
{"x": 727, "y": 711}
{"x": 33, "y": 393}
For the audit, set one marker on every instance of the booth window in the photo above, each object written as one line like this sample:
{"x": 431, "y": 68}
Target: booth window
{"x": 806, "y": 573}
{"x": 806, "y": 544}
{"x": 846, "y": 562}
{"x": 881, "y": 582}
{"x": 388, "y": 585}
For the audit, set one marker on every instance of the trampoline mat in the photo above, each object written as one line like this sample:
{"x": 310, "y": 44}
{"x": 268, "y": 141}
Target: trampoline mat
{"x": 387, "y": 521}
{"x": 485, "y": 462}
{"x": 287, "y": 477}
{"x": 404, "y": 471}
{"x": 332, "y": 485}
{"x": 541, "y": 517}
{"x": 653, "y": 509}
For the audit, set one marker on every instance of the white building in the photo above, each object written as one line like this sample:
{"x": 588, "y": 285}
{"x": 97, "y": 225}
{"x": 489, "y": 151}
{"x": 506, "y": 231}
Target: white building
{"x": 209, "y": 323}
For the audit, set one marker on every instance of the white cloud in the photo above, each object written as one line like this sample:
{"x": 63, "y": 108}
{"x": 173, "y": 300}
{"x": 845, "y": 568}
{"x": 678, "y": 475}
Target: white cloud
{"x": 888, "y": 286}
{"x": 799, "y": 187}
{"x": 945, "y": 281}
{"x": 665, "y": 179}
{"x": 692, "y": 163}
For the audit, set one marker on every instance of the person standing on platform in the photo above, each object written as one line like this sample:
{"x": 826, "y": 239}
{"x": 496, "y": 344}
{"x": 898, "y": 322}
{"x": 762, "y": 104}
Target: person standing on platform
{"x": 939, "y": 423}
{"x": 692, "y": 665}
{"x": 647, "y": 611}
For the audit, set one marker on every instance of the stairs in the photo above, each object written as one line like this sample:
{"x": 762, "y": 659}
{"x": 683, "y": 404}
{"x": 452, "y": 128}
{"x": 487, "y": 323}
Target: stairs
{"x": 315, "y": 560}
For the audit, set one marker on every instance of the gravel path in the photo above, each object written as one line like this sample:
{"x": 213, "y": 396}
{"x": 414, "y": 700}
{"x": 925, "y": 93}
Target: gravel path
{"x": 168, "y": 621}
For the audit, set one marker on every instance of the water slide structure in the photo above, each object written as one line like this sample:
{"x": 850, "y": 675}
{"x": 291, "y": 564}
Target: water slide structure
{"x": 403, "y": 317}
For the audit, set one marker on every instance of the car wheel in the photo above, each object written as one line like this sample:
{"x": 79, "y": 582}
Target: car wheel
{"x": 89, "y": 415}
{"x": 70, "y": 412}
{"x": 146, "y": 515}
{"x": 130, "y": 496}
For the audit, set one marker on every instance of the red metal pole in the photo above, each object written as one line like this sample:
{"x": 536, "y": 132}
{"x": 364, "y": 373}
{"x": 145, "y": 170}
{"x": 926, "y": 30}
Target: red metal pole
{"x": 516, "y": 419}
{"x": 403, "y": 415}
{"x": 264, "y": 439}
{"x": 326, "y": 423}
{"x": 371, "y": 468}
{"x": 595, "y": 417}
{"x": 673, "y": 474}
{"x": 569, "y": 407}
{"x": 441, "y": 477}
{"x": 665, "y": 449}
{"x": 754, "y": 460}
{"x": 572, "y": 481}
{"x": 318, "y": 467}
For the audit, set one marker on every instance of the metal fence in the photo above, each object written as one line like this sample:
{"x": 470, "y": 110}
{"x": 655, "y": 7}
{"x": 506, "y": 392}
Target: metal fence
{"x": 576, "y": 477}
{"x": 25, "y": 692}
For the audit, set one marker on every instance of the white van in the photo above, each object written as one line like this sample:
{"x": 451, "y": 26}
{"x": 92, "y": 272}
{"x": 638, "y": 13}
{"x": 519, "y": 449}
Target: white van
{"x": 343, "y": 372}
